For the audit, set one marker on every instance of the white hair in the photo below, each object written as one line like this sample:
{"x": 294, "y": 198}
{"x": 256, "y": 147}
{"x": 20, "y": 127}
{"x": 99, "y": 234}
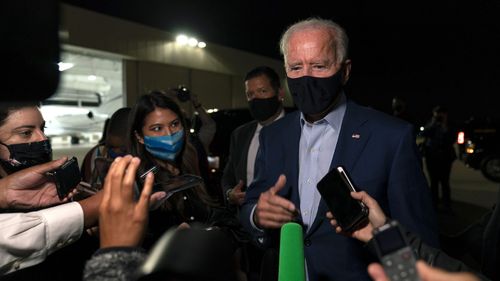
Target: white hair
{"x": 338, "y": 37}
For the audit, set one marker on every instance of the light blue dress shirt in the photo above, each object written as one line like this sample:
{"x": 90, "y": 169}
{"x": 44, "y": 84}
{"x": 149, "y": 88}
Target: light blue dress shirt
{"x": 317, "y": 145}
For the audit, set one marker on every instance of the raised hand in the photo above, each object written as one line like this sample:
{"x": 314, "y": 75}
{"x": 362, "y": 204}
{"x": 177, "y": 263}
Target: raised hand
{"x": 30, "y": 188}
{"x": 122, "y": 221}
{"x": 272, "y": 210}
{"x": 376, "y": 217}
{"x": 425, "y": 272}
{"x": 236, "y": 196}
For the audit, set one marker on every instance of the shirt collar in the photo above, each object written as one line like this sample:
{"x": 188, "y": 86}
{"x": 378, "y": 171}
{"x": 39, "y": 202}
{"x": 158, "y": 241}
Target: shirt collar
{"x": 281, "y": 115}
{"x": 333, "y": 118}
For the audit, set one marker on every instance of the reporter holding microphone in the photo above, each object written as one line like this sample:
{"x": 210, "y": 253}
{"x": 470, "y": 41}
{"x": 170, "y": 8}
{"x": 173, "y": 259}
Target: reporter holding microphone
{"x": 430, "y": 258}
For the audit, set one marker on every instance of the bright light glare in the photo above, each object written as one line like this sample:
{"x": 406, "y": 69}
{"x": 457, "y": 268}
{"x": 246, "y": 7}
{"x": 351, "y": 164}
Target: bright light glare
{"x": 192, "y": 42}
{"x": 182, "y": 39}
{"x": 65, "y": 66}
{"x": 50, "y": 112}
{"x": 92, "y": 77}
{"x": 461, "y": 137}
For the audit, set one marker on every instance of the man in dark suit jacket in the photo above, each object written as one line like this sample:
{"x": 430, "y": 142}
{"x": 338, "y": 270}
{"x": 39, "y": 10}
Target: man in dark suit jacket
{"x": 376, "y": 149}
{"x": 265, "y": 101}
{"x": 265, "y": 95}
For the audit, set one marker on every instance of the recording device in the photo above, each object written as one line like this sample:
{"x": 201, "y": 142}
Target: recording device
{"x": 66, "y": 177}
{"x": 183, "y": 93}
{"x": 291, "y": 253}
{"x": 394, "y": 252}
{"x": 335, "y": 188}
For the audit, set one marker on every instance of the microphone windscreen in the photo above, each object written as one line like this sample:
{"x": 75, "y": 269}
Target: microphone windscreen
{"x": 291, "y": 258}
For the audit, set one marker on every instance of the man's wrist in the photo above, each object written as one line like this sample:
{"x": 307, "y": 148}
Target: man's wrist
{"x": 228, "y": 193}
{"x": 253, "y": 219}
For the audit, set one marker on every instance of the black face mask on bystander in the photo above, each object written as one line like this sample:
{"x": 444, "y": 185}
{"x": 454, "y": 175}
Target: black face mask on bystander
{"x": 263, "y": 109}
{"x": 25, "y": 155}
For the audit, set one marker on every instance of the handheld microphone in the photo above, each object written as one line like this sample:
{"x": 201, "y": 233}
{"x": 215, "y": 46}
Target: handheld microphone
{"x": 291, "y": 259}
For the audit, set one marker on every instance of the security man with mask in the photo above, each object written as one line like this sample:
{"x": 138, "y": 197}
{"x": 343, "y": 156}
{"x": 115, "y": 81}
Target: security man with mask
{"x": 265, "y": 95}
{"x": 265, "y": 101}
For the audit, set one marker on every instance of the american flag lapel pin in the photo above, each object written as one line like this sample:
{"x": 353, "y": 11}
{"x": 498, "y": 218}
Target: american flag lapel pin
{"x": 356, "y": 136}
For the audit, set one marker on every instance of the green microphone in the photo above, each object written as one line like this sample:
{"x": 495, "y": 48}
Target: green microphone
{"x": 291, "y": 260}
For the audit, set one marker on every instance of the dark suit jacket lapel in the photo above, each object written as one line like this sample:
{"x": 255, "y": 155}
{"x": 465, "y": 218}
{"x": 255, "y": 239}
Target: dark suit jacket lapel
{"x": 291, "y": 160}
{"x": 352, "y": 139}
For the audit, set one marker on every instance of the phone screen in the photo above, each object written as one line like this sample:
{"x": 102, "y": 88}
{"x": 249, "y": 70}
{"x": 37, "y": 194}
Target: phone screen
{"x": 336, "y": 191}
{"x": 391, "y": 241}
{"x": 67, "y": 177}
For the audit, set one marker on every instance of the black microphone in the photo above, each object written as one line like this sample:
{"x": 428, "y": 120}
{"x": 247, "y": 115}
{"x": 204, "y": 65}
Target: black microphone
{"x": 291, "y": 259}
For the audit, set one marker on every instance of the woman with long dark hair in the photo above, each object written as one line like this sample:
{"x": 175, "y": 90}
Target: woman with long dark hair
{"x": 158, "y": 136}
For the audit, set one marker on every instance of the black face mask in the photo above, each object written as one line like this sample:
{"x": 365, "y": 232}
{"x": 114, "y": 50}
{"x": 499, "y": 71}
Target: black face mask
{"x": 263, "y": 109}
{"x": 313, "y": 95}
{"x": 25, "y": 155}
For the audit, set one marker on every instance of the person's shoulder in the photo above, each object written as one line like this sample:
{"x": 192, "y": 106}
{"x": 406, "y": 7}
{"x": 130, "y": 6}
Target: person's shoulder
{"x": 244, "y": 129}
{"x": 283, "y": 124}
{"x": 246, "y": 126}
{"x": 375, "y": 117}
{"x": 289, "y": 117}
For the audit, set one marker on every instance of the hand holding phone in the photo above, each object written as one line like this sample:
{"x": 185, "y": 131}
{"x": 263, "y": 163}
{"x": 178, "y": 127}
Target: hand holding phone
{"x": 335, "y": 188}
{"x": 394, "y": 252}
{"x": 66, "y": 177}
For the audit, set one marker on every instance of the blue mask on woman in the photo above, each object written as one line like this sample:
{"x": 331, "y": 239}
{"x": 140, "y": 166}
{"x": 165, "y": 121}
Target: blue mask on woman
{"x": 165, "y": 147}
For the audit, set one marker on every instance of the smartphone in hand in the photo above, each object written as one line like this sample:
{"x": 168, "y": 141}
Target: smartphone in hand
{"x": 66, "y": 177}
{"x": 335, "y": 188}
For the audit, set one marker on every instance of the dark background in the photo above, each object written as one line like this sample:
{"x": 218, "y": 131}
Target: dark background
{"x": 428, "y": 52}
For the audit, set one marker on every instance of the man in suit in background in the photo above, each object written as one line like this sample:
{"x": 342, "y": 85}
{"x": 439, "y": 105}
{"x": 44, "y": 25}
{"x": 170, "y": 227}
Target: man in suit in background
{"x": 265, "y": 101}
{"x": 295, "y": 152}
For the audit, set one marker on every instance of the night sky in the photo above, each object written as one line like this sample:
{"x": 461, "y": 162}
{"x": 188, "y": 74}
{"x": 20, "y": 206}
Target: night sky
{"x": 425, "y": 52}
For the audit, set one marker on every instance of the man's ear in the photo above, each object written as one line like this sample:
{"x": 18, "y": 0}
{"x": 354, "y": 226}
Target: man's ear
{"x": 281, "y": 94}
{"x": 346, "y": 71}
{"x": 139, "y": 138}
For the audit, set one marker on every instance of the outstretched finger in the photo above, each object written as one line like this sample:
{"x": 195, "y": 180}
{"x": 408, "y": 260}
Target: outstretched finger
{"x": 239, "y": 186}
{"x": 280, "y": 183}
{"x": 116, "y": 173}
{"x": 129, "y": 178}
{"x": 376, "y": 272}
{"x": 143, "y": 204}
{"x": 106, "y": 193}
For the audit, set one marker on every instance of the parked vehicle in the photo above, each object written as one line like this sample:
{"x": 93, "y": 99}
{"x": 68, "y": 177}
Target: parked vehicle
{"x": 479, "y": 147}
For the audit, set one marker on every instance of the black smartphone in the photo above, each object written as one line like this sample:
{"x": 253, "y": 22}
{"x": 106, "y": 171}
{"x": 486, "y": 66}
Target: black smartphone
{"x": 173, "y": 184}
{"x": 335, "y": 188}
{"x": 178, "y": 183}
{"x": 66, "y": 177}
{"x": 394, "y": 252}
